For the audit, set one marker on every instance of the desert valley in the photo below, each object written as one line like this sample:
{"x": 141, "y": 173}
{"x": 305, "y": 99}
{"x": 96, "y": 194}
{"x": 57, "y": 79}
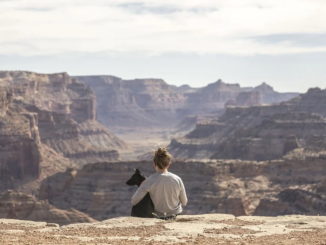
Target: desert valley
{"x": 69, "y": 143}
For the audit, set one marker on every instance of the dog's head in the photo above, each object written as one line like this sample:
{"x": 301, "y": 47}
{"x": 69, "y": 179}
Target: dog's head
{"x": 136, "y": 178}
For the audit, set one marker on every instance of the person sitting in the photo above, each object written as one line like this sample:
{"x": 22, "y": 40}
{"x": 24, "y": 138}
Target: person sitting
{"x": 166, "y": 189}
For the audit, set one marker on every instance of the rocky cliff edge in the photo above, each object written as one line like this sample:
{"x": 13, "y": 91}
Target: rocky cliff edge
{"x": 186, "y": 229}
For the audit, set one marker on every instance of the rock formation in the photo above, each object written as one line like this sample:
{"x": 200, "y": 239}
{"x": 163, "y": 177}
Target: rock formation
{"x": 63, "y": 114}
{"x": 214, "y": 186}
{"x": 212, "y": 98}
{"x": 51, "y": 92}
{"x": 83, "y": 142}
{"x": 292, "y": 201}
{"x": 17, "y": 205}
{"x": 269, "y": 96}
{"x": 100, "y": 190}
{"x": 48, "y": 130}
{"x": 259, "y": 132}
{"x": 250, "y": 98}
{"x": 206, "y": 229}
{"x": 20, "y": 154}
{"x": 25, "y": 161}
{"x": 154, "y": 103}
{"x": 134, "y": 103}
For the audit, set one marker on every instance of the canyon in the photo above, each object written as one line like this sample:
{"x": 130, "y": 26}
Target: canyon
{"x": 148, "y": 113}
{"x": 259, "y": 132}
{"x": 154, "y": 103}
{"x": 213, "y": 186}
{"x": 69, "y": 143}
{"x": 47, "y": 123}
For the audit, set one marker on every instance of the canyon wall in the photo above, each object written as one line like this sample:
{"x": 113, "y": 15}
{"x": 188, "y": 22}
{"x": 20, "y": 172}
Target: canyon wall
{"x": 134, "y": 103}
{"x": 20, "y": 154}
{"x": 17, "y": 205}
{"x": 259, "y": 132}
{"x": 64, "y": 115}
{"x": 24, "y": 159}
{"x": 214, "y": 186}
{"x": 47, "y": 123}
{"x": 51, "y": 92}
{"x": 154, "y": 103}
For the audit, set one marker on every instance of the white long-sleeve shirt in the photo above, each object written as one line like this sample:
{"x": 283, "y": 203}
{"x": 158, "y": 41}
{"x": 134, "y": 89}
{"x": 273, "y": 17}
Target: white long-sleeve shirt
{"x": 166, "y": 190}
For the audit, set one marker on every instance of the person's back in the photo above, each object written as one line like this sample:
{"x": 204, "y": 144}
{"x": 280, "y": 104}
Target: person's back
{"x": 166, "y": 189}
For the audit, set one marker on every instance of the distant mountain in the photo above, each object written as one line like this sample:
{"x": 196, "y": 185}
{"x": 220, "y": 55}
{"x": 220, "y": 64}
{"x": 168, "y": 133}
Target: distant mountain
{"x": 259, "y": 132}
{"x": 132, "y": 103}
{"x": 270, "y": 96}
{"x": 154, "y": 103}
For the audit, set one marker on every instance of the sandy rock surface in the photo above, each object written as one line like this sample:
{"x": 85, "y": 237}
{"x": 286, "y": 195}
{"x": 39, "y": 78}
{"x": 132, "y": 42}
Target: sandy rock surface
{"x": 186, "y": 229}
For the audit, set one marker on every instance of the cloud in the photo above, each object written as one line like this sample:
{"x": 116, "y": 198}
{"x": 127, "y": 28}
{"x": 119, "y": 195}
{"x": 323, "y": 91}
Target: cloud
{"x": 34, "y": 9}
{"x": 246, "y": 27}
{"x": 141, "y": 8}
{"x": 297, "y": 39}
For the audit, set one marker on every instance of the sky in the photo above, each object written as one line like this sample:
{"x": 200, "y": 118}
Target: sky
{"x": 281, "y": 42}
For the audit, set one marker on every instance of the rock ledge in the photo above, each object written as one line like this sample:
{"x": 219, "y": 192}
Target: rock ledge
{"x": 186, "y": 229}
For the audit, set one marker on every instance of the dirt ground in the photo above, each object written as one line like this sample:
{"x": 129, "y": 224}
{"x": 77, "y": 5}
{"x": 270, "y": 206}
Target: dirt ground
{"x": 186, "y": 229}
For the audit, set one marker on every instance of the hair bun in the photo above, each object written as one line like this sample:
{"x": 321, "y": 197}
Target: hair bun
{"x": 162, "y": 158}
{"x": 161, "y": 152}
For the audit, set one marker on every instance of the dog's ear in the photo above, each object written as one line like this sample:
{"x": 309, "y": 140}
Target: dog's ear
{"x": 137, "y": 171}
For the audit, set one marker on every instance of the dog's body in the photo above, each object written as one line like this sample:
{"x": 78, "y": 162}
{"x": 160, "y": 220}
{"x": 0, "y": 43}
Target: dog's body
{"x": 145, "y": 208}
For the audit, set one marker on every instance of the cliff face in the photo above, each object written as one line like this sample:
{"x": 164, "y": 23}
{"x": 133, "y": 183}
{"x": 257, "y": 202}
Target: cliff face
{"x": 313, "y": 101}
{"x": 270, "y": 96}
{"x": 20, "y": 155}
{"x": 51, "y": 92}
{"x": 140, "y": 102}
{"x": 211, "y": 98}
{"x": 5, "y": 100}
{"x": 259, "y": 132}
{"x": 17, "y": 205}
{"x": 100, "y": 190}
{"x": 24, "y": 159}
{"x": 152, "y": 102}
{"x": 64, "y": 115}
{"x": 236, "y": 187}
{"x": 82, "y": 142}
{"x": 292, "y": 201}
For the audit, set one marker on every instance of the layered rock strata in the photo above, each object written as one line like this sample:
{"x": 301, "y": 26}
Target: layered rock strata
{"x": 259, "y": 132}
{"x": 64, "y": 115}
{"x": 25, "y": 160}
{"x": 17, "y": 205}
{"x": 236, "y": 187}
{"x": 292, "y": 201}
{"x": 83, "y": 142}
{"x": 154, "y": 103}
{"x": 20, "y": 155}
{"x": 134, "y": 103}
{"x": 51, "y": 92}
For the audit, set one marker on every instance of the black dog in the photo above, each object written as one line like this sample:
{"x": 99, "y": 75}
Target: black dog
{"x": 145, "y": 208}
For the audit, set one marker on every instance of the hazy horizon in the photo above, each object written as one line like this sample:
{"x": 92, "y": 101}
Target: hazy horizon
{"x": 282, "y": 43}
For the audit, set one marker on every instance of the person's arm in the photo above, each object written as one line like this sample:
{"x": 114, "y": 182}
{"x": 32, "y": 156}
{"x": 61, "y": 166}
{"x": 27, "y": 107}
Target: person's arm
{"x": 141, "y": 192}
{"x": 183, "y": 196}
